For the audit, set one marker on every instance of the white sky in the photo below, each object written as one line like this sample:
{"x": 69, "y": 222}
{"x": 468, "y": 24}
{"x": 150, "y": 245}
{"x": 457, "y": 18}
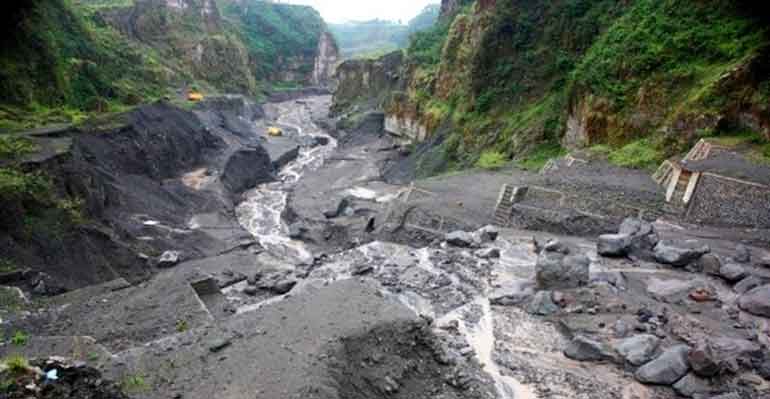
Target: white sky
{"x": 357, "y": 10}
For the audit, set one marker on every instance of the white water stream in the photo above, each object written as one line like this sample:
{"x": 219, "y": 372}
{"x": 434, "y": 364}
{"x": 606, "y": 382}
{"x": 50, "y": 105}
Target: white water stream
{"x": 260, "y": 213}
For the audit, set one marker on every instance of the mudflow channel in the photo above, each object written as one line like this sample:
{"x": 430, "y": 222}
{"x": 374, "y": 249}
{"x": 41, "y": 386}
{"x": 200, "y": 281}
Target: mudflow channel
{"x": 450, "y": 285}
{"x": 261, "y": 212}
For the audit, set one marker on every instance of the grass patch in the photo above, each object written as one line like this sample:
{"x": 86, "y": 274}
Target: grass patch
{"x": 491, "y": 160}
{"x": 13, "y": 148}
{"x": 134, "y": 383}
{"x": 543, "y": 153}
{"x": 640, "y": 154}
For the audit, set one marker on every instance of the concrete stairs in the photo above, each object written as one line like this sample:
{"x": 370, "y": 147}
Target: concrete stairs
{"x": 504, "y": 206}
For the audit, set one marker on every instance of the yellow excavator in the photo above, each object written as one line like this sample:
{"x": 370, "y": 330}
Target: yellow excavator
{"x": 194, "y": 96}
{"x": 274, "y": 131}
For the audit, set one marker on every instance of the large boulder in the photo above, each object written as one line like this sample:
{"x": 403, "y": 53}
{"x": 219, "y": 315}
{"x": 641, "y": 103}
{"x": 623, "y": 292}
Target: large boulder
{"x": 555, "y": 270}
{"x": 643, "y": 236}
{"x": 748, "y": 284}
{"x": 637, "y": 350}
{"x": 667, "y": 368}
{"x": 542, "y": 304}
{"x": 513, "y": 293}
{"x": 245, "y": 169}
{"x": 486, "y": 234}
{"x": 732, "y": 272}
{"x": 460, "y": 239}
{"x": 614, "y": 245}
{"x": 692, "y": 385}
{"x": 742, "y": 254}
{"x": 680, "y": 253}
{"x": 756, "y": 301}
{"x": 586, "y": 349}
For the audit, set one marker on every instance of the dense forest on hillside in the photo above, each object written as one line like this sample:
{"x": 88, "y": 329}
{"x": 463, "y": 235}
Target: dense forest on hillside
{"x": 637, "y": 80}
{"x": 62, "y": 60}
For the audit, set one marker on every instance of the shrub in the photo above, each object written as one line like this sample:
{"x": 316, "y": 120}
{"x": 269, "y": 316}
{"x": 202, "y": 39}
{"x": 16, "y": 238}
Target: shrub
{"x": 491, "y": 160}
{"x": 16, "y": 364}
{"x": 640, "y": 154}
{"x": 20, "y": 338}
{"x": 540, "y": 156}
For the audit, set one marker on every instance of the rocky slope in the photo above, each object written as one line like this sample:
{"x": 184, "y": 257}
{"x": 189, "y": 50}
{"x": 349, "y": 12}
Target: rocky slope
{"x": 101, "y": 55}
{"x": 516, "y": 78}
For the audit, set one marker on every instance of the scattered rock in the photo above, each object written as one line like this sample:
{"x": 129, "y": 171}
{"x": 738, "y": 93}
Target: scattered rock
{"x": 542, "y": 304}
{"x": 297, "y": 231}
{"x": 747, "y": 284}
{"x": 637, "y": 350}
{"x": 614, "y": 245}
{"x": 278, "y": 282}
{"x": 691, "y": 385}
{"x": 513, "y": 293}
{"x": 343, "y": 209}
{"x": 360, "y": 270}
{"x": 585, "y": 349}
{"x": 667, "y": 368}
{"x": 554, "y": 270}
{"x": 556, "y": 246}
{"x": 679, "y": 253}
{"x": 742, "y": 254}
{"x": 219, "y": 344}
{"x": 488, "y": 253}
{"x": 486, "y": 234}
{"x": 756, "y": 301}
{"x": 732, "y": 272}
{"x": 710, "y": 264}
{"x": 169, "y": 259}
{"x": 702, "y": 361}
{"x": 250, "y": 291}
{"x": 460, "y": 239}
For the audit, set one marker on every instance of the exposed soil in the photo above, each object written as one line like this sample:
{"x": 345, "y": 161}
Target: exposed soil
{"x": 315, "y": 275}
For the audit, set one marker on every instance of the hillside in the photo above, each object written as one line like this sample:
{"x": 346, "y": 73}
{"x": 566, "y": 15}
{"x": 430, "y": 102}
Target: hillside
{"x": 368, "y": 39}
{"x": 65, "y": 59}
{"x": 516, "y": 80}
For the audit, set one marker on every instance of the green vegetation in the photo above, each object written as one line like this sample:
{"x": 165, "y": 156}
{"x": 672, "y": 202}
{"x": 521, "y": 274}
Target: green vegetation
{"x": 491, "y": 160}
{"x": 535, "y": 160}
{"x": 17, "y": 364}
{"x": 15, "y": 147}
{"x": 274, "y": 32}
{"x": 24, "y": 187}
{"x": 134, "y": 383}
{"x": 673, "y": 45}
{"x": 508, "y": 77}
{"x": 640, "y": 154}
{"x": 63, "y": 64}
{"x": 19, "y": 338}
{"x": 182, "y": 325}
{"x": 367, "y": 39}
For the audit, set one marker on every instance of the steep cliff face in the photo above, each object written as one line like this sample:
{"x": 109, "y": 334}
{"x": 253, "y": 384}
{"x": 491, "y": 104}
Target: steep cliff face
{"x": 61, "y": 60}
{"x": 516, "y": 77}
{"x": 326, "y": 60}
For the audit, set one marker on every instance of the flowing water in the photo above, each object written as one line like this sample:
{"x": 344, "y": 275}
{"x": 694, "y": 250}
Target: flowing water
{"x": 261, "y": 212}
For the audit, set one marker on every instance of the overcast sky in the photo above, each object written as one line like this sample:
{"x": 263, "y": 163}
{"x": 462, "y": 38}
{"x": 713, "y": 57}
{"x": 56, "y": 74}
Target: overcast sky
{"x": 347, "y": 10}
